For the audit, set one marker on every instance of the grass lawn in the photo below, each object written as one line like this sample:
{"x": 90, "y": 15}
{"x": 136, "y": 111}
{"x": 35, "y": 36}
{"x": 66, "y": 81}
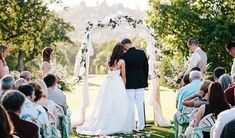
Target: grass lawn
{"x": 74, "y": 100}
{"x": 150, "y": 131}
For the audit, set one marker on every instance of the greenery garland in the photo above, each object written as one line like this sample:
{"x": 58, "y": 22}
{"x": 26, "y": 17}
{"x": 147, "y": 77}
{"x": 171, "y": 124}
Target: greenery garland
{"x": 113, "y": 23}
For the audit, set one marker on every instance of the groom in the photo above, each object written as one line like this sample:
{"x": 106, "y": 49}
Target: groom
{"x": 137, "y": 77}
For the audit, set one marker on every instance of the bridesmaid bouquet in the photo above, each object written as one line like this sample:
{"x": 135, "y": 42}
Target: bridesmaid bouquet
{"x": 178, "y": 68}
{"x": 66, "y": 82}
{"x": 59, "y": 70}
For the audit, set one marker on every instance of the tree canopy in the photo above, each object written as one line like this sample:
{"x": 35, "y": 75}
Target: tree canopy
{"x": 27, "y": 26}
{"x": 212, "y": 22}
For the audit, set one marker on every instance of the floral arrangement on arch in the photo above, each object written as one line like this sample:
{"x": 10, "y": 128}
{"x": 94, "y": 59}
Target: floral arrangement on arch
{"x": 177, "y": 69}
{"x": 110, "y": 21}
{"x": 157, "y": 62}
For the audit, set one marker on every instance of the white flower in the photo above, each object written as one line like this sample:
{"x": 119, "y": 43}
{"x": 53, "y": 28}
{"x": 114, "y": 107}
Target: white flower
{"x": 82, "y": 71}
{"x": 157, "y": 63}
{"x": 59, "y": 70}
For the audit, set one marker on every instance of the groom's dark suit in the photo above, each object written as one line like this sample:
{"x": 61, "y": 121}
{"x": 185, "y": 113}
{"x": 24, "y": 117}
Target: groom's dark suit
{"x": 136, "y": 69}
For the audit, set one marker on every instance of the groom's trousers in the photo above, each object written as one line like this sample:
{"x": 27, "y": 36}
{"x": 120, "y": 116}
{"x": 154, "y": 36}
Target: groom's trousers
{"x": 136, "y": 96}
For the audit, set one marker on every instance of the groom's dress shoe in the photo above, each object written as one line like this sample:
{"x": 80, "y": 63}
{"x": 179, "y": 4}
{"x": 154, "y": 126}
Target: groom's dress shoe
{"x": 136, "y": 131}
{"x": 147, "y": 126}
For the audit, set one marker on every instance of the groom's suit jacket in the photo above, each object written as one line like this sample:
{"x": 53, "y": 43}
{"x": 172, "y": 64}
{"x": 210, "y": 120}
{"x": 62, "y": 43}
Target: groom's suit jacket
{"x": 136, "y": 69}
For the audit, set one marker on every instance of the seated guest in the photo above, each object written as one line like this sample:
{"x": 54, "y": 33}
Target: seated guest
{"x": 33, "y": 112}
{"x": 49, "y": 105}
{"x": 54, "y": 93}
{"x": 229, "y": 92}
{"x": 195, "y": 69}
{"x": 225, "y": 80}
{"x": 26, "y": 75}
{"x": 20, "y": 82}
{"x": 7, "y": 84}
{"x": 44, "y": 101}
{"x": 216, "y": 104}
{"x": 6, "y": 126}
{"x": 190, "y": 89}
{"x": 223, "y": 118}
{"x": 218, "y": 71}
{"x": 13, "y": 102}
{"x": 228, "y": 131}
{"x": 186, "y": 91}
{"x": 37, "y": 91}
{"x": 196, "y": 100}
{"x": 15, "y": 74}
{"x": 186, "y": 80}
{"x": 199, "y": 98}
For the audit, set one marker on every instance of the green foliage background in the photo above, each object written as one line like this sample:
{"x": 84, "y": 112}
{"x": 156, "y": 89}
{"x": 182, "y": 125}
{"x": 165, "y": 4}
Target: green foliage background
{"x": 27, "y": 26}
{"x": 212, "y": 22}
{"x": 103, "y": 51}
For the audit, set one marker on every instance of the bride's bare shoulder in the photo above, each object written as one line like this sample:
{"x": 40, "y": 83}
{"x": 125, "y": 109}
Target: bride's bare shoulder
{"x": 121, "y": 61}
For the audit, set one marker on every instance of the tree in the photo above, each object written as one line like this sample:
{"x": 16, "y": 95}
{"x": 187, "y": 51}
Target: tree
{"x": 212, "y": 22}
{"x": 28, "y": 26}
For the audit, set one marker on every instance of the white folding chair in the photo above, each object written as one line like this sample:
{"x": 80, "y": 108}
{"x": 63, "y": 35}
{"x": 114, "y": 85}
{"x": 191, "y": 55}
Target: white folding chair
{"x": 59, "y": 110}
{"x": 55, "y": 133}
{"x": 204, "y": 125}
{"x": 193, "y": 115}
{"x": 59, "y": 115}
{"x": 207, "y": 122}
{"x": 51, "y": 118}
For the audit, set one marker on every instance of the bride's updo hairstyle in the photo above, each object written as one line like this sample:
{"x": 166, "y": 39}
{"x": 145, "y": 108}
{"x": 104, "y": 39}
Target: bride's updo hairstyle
{"x": 117, "y": 54}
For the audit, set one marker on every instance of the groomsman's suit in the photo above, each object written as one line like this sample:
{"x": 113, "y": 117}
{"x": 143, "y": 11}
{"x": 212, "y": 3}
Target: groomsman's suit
{"x": 137, "y": 77}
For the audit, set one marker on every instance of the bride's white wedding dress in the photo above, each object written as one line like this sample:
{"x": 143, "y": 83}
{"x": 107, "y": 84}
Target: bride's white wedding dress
{"x": 111, "y": 113}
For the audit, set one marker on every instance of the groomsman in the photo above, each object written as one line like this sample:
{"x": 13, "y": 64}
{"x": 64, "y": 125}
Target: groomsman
{"x": 231, "y": 50}
{"x": 198, "y": 58}
{"x": 137, "y": 78}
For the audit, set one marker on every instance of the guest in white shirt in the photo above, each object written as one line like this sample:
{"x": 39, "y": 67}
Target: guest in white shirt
{"x": 223, "y": 118}
{"x": 231, "y": 50}
{"x": 198, "y": 58}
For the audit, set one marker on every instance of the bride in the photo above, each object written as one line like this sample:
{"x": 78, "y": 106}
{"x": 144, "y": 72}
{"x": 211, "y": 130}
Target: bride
{"x": 111, "y": 113}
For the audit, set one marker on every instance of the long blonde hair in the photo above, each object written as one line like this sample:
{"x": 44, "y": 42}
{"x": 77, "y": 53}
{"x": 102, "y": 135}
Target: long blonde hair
{"x": 205, "y": 85}
{"x": 2, "y": 49}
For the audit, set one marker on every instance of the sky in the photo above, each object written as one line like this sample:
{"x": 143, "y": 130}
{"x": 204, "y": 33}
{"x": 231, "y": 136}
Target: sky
{"x": 132, "y": 4}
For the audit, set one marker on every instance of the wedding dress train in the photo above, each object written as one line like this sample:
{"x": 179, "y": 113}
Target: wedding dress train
{"x": 111, "y": 113}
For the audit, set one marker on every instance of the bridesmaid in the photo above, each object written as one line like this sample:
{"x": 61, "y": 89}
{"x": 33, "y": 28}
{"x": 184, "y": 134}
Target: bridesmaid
{"x": 4, "y": 70}
{"x": 47, "y": 55}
